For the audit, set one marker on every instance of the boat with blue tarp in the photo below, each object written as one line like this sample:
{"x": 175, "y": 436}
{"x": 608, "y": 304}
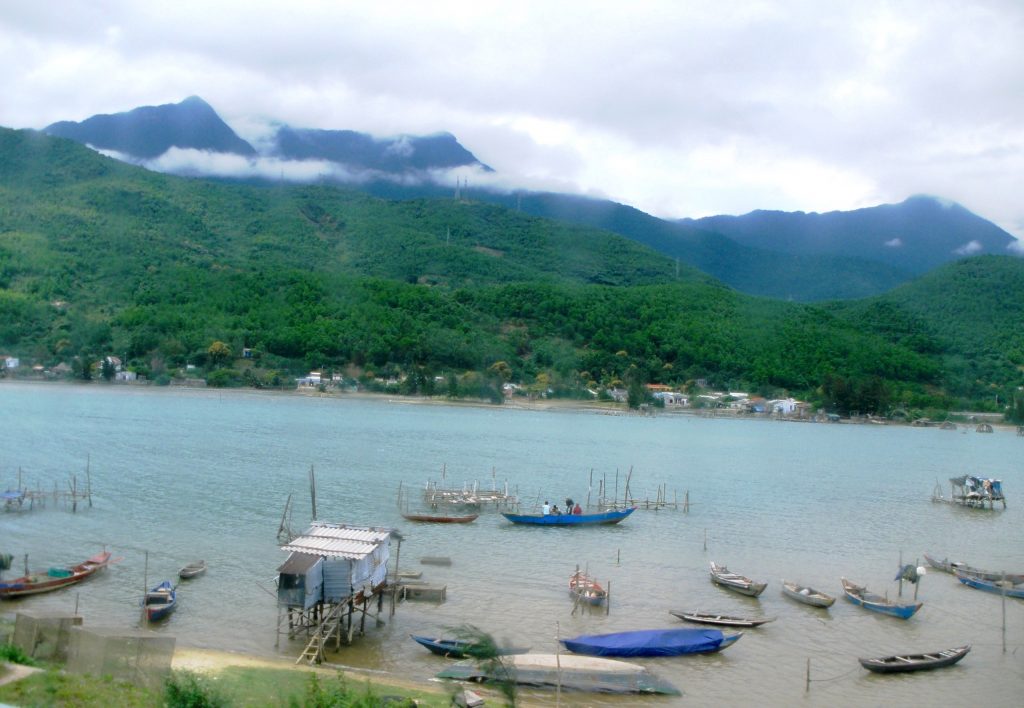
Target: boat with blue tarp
{"x": 651, "y": 642}
{"x": 160, "y": 601}
{"x": 604, "y": 517}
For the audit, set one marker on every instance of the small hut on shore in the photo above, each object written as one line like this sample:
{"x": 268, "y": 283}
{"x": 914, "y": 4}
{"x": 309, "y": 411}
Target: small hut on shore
{"x": 333, "y": 571}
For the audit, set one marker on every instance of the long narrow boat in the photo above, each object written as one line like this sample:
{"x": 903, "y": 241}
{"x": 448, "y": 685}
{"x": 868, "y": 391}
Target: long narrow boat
{"x": 192, "y": 570}
{"x": 160, "y": 601}
{"x": 721, "y": 620}
{"x": 860, "y": 595}
{"x": 584, "y": 589}
{"x": 720, "y": 575}
{"x": 915, "y": 662}
{"x": 441, "y": 518}
{"x": 952, "y": 567}
{"x": 1001, "y": 587}
{"x": 54, "y": 578}
{"x": 806, "y": 595}
{"x": 565, "y": 671}
{"x": 461, "y": 648}
{"x": 651, "y": 642}
{"x": 606, "y": 517}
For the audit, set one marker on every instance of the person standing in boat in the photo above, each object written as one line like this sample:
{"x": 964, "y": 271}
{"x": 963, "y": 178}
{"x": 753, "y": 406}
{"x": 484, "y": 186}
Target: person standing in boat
{"x": 546, "y": 509}
{"x": 576, "y": 510}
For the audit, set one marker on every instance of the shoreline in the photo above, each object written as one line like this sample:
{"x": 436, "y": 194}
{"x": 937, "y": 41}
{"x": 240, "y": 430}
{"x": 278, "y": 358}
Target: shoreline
{"x": 610, "y": 408}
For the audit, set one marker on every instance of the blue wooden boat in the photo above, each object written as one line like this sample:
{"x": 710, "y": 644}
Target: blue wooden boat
{"x": 651, "y": 642}
{"x": 1001, "y": 587}
{"x": 606, "y": 517}
{"x": 860, "y": 595}
{"x": 160, "y": 601}
{"x": 460, "y": 648}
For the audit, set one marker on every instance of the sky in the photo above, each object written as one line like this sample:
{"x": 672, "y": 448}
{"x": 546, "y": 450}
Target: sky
{"x": 684, "y": 108}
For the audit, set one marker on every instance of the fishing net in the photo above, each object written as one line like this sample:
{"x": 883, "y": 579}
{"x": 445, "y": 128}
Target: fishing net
{"x": 142, "y": 659}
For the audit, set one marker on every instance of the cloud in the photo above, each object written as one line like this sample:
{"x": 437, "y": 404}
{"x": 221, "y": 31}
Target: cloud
{"x": 680, "y": 109}
{"x": 969, "y": 249}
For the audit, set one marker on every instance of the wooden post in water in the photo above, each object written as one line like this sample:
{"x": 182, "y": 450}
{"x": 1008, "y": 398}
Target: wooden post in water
{"x": 918, "y": 583}
{"x": 590, "y": 486}
{"x": 312, "y": 490}
{"x": 901, "y": 573}
{"x": 686, "y": 502}
{"x": 145, "y": 584}
{"x": 88, "y": 482}
{"x": 1002, "y": 586}
{"x": 608, "y": 598}
{"x": 807, "y": 684}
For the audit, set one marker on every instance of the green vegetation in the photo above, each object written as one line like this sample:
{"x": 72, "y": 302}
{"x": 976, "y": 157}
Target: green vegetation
{"x": 228, "y": 688}
{"x": 255, "y": 285}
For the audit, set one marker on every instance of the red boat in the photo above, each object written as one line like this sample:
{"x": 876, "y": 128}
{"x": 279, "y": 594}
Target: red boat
{"x": 585, "y": 589}
{"x": 440, "y": 518}
{"x": 54, "y": 578}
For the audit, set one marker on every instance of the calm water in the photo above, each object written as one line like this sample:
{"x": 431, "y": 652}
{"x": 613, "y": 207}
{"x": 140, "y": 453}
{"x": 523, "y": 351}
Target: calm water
{"x": 200, "y": 474}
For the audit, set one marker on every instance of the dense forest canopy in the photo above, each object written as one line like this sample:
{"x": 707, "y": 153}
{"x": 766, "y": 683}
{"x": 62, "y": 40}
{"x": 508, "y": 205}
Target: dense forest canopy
{"x": 99, "y": 258}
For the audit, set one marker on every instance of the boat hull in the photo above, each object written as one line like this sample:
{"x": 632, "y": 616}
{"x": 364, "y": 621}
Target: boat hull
{"x": 160, "y": 602}
{"x": 607, "y": 517}
{"x": 721, "y": 620}
{"x": 192, "y": 570}
{"x": 812, "y": 597}
{"x": 990, "y": 586}
{"x": 459, "y": 648}
{"x": 653, "y": 642}
{"x": 437, "y": 519}
{"x": 721, "y": 576}
{"x": 566, "y": 672}
{"x": 876, "y": 603}
{"x": 915, "y": 662}
{"x": 37, "y": 583}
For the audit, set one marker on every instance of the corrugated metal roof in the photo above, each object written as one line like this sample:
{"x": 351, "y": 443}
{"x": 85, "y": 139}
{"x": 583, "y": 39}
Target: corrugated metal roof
{"x": 338, "y": 541}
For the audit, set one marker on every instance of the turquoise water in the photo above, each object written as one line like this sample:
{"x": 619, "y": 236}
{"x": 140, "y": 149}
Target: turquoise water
{"x": 179, "y": 475}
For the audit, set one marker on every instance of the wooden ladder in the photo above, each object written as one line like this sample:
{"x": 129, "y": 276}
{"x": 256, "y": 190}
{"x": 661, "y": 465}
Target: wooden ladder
{"x": 314, "y": 651}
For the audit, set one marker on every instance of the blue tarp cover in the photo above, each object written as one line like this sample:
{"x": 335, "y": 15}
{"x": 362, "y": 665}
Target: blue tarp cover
{"x": 646, "y": 642}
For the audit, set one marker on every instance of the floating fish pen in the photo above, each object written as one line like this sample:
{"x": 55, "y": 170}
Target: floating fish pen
{"x": 608, "y": 498}
{"x": 972, "y": 492}
{"x": 21, "y": 498}
{"x": 472, "y": 495}
{"x": 333, "y": 573}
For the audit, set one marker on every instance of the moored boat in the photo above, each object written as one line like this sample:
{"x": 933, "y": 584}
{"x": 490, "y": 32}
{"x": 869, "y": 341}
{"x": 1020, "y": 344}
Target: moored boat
{"x": 720, "y": 575}
{"x": 1002, "y": 587}
{"x": 192, "y": 570}
{"x": 722, "y": 620}
{"x": 584, "y": 589}
{"x": 160, "y": 601}
{"x": 565, "y": 671}
{"x": 651, "y": 642}
{"x": 806, "y": 595}
{"x": 54, "y": 578}
{"x": 441, "y": 518}
{"x": 901, "y": 663}
{"x": 605, "y": 517}
{"x": 860, "y": 595}
{"x": 952, "y": 567}
{"x": 461, "y": 648}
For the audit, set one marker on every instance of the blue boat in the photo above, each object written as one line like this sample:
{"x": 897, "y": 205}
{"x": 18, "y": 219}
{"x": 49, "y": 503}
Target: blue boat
{"x": 1001, "y": 587}
{"x": 460, "y": 648}
{"x": 860, "y": 595}
{"x": 160, "y": 601}
{"x": 651, "y": 642}
{"x": 607, "y": 517}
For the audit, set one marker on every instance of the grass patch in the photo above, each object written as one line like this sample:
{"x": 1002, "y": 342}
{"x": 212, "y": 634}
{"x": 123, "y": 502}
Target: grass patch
{"x": 15, "y": 655}
{"x": 235, "y": 686}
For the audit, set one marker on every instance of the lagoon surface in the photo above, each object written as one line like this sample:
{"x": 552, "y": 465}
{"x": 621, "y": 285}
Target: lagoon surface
{"x": 185, "y": 474}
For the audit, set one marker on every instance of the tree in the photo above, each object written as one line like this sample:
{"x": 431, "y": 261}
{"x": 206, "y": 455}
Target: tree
{"x": 219, "y": 352}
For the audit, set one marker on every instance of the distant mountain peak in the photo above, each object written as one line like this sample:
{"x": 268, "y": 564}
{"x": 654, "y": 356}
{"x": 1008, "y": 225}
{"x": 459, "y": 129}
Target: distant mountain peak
{"x": 150, "y": 131}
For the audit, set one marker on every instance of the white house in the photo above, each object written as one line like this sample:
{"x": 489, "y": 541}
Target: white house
{"x": 11, "y": 362}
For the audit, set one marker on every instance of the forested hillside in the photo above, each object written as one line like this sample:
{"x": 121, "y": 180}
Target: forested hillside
{"x": 100, "y": 258}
